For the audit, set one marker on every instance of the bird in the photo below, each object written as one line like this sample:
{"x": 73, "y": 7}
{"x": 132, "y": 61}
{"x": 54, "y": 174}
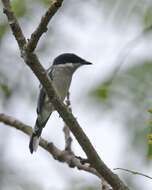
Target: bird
{"x": 60, "y": 73}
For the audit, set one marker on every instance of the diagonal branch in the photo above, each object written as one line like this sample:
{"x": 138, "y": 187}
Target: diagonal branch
{"x": 42, "y": 27}
{"x": 32, "y": 61}
{"x": 62, "y": 156}
{"x": 16, "y": 29}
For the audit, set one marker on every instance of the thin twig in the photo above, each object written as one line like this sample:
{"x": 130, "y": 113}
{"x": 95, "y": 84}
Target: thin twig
{"x": 133, "y": 172}
{"x": 42, "y": 27}
{"x": 12, "y": 20}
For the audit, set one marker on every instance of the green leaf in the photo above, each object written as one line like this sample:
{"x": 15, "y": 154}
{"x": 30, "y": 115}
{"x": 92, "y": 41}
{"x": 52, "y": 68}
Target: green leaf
{"x": 150, "y": 151}
{"x": 103, "y": 90}
{"x": 150, "y": 110}
{"x": 148, "y": 17}
{"x": 150, "y": 146}
{"x": 6, "y": 90}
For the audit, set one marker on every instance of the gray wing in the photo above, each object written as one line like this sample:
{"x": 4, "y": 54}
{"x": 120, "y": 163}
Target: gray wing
{"x": 42, "y": 94}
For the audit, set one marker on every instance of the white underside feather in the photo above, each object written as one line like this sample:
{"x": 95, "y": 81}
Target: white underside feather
{"x": 36, "y": 141}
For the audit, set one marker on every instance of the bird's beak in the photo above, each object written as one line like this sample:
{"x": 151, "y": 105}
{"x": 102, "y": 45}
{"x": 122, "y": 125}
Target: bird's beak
{"x": 87, "y": 63}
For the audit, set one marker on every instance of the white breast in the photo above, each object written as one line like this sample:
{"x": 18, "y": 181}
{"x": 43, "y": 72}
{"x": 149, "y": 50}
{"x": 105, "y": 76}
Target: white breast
{"x": 61, "y": 80}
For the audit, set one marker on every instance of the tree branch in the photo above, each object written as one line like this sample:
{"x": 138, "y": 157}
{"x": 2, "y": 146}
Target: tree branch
{"x": 42, "y": 27}
{"x": 104, "y": 185}
{"x": 15, "y": 27}
{"x": 32, "y": 61}
{"x": 133, "y": 172}
{"x": 62, "y": 156}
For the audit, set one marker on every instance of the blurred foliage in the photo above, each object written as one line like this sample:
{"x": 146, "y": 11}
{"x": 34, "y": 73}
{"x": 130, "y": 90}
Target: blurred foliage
{"x": 103, "y": 90}
{"x": 148, "y": 17}
{"x": 5, "y": 90}
{"x": 19, "y": 7}
{"x": 149, "y": 136}
{"x": 45, "y": 2}
{"x": 129, "y": 95}
{"x": 3, "y": 29}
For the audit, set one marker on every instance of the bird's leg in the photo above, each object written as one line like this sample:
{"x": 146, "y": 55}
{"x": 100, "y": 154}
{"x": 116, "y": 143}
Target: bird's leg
{"x": 68, "y": 138}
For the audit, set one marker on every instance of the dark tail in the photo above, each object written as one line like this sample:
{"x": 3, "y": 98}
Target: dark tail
{"x": 35, "y": 138}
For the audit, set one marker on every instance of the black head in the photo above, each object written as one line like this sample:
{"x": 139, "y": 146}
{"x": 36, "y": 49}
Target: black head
{"x": 69, "y": 58}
